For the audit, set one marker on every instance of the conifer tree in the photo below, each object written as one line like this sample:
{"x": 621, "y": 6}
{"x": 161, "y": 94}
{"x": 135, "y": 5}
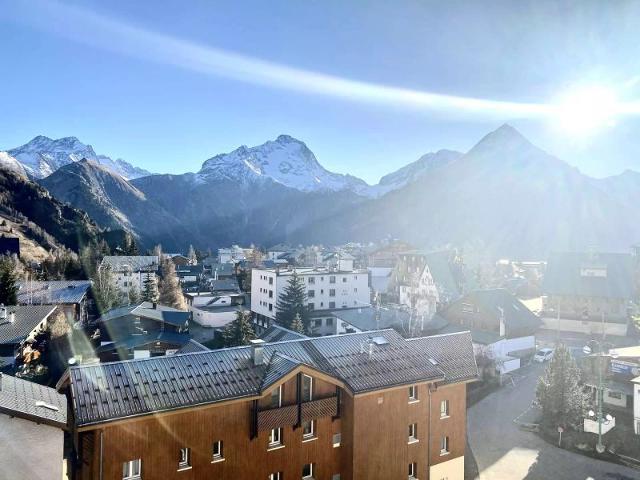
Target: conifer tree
{"x": 133, "y": 295}
{"x": 8, "y": 285}
{"x": 240, "y": 331}
{"x": 150, "y": 288}
{"x": 170, "y": 292}
{"x": 559, "y": 392}
{"x": 292, "y": 301}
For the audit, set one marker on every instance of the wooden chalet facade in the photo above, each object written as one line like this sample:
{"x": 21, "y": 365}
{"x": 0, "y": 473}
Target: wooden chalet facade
{"x": 360, "y": 406}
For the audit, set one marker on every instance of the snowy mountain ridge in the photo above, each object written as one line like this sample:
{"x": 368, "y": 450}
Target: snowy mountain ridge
{"x": 42, "y": 156}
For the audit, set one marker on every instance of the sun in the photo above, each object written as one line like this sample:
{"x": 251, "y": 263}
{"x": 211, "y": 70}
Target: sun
{"x": 584, "y": 110}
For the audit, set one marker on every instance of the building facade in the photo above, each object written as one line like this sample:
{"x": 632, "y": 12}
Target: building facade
{"x": 327, "y": 289}
{"x": 279, "y": 411}
{"x": 131, "y": 271}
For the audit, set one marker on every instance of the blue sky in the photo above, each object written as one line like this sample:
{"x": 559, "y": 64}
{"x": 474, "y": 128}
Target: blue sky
{"x": 161, "y": 85}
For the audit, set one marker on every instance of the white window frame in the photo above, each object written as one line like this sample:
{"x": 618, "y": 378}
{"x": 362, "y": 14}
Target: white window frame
{"x": 275, "y": 476}
{"x": 444, "y": 446}
{"x": 444, "y": 409}
{"x": 217, "y": 457}
{"x": 275, "y": 437}
{"x": 185, "y": 459}
{"x": 413, "y": 393}
{"x": 128, "y": 470}
{"x": 310, "y": 471}
{"x": 413, "y": 467}
{"x": 310, "y": 387}
{"x": 312, "y": 430}
{"x": 413, "y": 433}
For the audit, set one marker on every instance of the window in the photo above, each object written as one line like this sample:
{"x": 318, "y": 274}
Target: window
{"x": 614, "y": 395}
{"x": 276, "y": 397}
{"x": 270, "y": 293}
{"x": 444, "y": 408}
{"x": 413, "y": 432}
{"x": 332, "y": 304}
{"x": 317, "y": 322}
{"x": 308, "y": 429}
{"x": 270, "y": 280}
{"x": 185, "y": 459}
{"x": 271, "y": 307}
{"x": 307, "y": 471}
{"x": 337, "y": 439}
{"x": 332, "y": 279}
{"x": 413, "y": 393}
{"x": 132, "y": 469}
{"x": 312, "y": 306}
{"x": 413, "y": 471}
{"x": 217, "y": 454}
{"x": 312, "y": 280}
{"x": 355, "y": 290}
{"x": 344, "y": 279}
{"x": 330, "y": 321}
{"x": 335, "y": 476}
{"x": 444, "y": 445}
{"x": 275, "y": 437}
{"x": 332, "y": 292}
{"x": 311, "y": 293}
{"x": 275, "y": 476}
{"x": 307, "y": 388}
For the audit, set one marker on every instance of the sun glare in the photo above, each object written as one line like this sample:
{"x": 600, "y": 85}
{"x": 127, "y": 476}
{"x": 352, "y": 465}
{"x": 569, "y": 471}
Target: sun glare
{"x": 584, "y": 110}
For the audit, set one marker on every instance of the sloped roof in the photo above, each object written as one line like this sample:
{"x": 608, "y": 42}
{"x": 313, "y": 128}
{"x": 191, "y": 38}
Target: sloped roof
{"x": 276, "y": 333}
{"x": 134, "y": 262}
{"x": 365, "y": 318}
{"x": 26, "y": 318}
{"x": 191, "y": 347}
{"x": 563, "y": 275}
{"x": 131, "y": 388}
{"x": 32, "y": 401}
{"x": 161, "y": 313}
{"x": 52, "y": 291}
{"x": 133, "y": 341}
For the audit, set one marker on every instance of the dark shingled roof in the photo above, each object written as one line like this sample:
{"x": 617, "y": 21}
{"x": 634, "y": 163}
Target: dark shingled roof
{"x": 26, "y": 318}
{"x": 52, "y": 291}
{"x": 365, "y": 318}
{"x": 563, "y": 275}
{"x": 276, "y": 333}
{"x": 192, "y": 346}
{"x": 134, "y": 341}
{"x": 31, "y": 401}
{"x": 132, "y": 388}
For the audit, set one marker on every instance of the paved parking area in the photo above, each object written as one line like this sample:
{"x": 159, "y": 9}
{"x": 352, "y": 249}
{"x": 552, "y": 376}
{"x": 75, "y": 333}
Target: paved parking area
{"x": 502, "y": 451}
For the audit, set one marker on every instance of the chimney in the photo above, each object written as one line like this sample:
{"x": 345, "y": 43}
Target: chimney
{"x": 257, "y": 351}
{"x": 155, "y": 305}
{"x": 12, "y": 317}
{"x": 3, "y": 312}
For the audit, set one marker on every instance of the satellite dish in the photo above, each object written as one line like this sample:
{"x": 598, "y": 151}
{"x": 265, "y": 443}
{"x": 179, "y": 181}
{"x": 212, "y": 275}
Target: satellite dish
{"x": 609, "y": 418}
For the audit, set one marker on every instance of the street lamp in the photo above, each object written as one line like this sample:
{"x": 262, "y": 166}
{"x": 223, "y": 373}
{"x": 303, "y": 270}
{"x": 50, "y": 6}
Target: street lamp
{"x": 588, "y": 350}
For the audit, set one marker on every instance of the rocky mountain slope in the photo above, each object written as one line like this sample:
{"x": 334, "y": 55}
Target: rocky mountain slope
{"x": 42, "y": 156}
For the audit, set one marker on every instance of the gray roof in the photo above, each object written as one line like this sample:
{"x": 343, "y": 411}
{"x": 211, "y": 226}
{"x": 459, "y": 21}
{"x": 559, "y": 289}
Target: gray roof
{"x": 224, "y": 285}
{"x": 52, "y": 291}
{"x": 134, "y": 341}
{"x": 132, "y": 388}
{"x": 365, "y": 318}
{"x": 134, "y": 262}
{"x": 563, "y": 275}
{"x": 21, "y": 398}
{"x": 276, "y": 333}
{"x": 161, "y": 313}
{"x": 192, "y": 346}
{"x": 26, "y": 318}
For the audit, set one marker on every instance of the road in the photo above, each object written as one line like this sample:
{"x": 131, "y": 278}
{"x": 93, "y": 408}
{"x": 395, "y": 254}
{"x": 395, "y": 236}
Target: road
{"x": 503, "y": 451}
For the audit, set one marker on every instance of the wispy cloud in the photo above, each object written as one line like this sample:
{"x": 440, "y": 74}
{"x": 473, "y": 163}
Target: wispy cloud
{"x": 110, "y": 34}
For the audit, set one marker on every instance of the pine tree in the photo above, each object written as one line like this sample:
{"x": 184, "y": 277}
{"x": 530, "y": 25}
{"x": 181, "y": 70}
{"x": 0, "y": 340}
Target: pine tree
{"x": 150, "y": 288}
{"x": 559, "y": 392}
{"x": 170, "y": 292}
{"x": 133, "y": 295}
{"x": 296, "y": 324}
{"x": 240, "y": 331}
{"x": 8, "y": 285}
{"x": 292, "y": 301}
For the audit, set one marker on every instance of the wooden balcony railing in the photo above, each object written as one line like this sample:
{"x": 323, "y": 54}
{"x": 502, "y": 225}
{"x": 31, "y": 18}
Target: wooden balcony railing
{"x": 288, "y": 415}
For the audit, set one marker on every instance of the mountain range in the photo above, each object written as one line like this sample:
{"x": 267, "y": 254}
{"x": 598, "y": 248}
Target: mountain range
{"x": 505, "y": 197}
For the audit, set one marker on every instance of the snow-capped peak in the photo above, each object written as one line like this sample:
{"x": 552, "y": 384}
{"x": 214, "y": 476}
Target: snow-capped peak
{"x": 285, "y": 160}
{"x": 42, "y": 156}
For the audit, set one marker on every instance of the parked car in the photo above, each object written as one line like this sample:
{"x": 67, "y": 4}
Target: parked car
{"x": 543, "y": 355}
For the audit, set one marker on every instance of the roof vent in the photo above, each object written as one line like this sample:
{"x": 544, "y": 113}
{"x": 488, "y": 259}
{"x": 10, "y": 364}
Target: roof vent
{"x": 12, "y": 317}
{"x": 380, "y": 340}
{"x": 3, "y": 312}
{"x": 433, "y": 361}
{"x": 257, "y": 351}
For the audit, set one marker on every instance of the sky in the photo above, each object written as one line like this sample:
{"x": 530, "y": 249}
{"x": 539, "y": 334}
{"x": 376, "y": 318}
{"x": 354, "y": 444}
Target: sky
{"x": 369, "y": 85}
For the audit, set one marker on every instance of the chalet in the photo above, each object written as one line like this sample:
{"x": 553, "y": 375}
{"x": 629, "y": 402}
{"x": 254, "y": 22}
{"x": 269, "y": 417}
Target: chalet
{"x": 386, "y": 256}
{"x": 72, "y": 297}
{"x": 588, "y": 292}
{"x": 19, "y": 324}
{"x": 131, "y": 271}
{"x": 276, "y": 251}
{"x": 32, "y": 423}
{"x": 140, "y": 331}
{"x": 370, "y": 406}
{"x": 500, "y": 324}
{"x": 9, "y": 246}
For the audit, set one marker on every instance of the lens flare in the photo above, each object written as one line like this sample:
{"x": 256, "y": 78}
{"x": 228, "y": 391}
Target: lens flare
{"x": 584, "y": 110}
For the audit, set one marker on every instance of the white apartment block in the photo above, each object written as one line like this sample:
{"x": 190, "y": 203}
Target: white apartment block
{"x": 130, "y": 271}
{"x": 326, "y": 290}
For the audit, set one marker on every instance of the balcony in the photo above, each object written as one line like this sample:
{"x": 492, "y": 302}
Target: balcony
{"x": 290, "y": 415}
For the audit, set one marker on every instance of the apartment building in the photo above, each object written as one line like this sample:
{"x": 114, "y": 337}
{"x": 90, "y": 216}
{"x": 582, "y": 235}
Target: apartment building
{"x": 327, "y": 289}
{"x": 363, "y": 406}
{"x": 130, "y": 271}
